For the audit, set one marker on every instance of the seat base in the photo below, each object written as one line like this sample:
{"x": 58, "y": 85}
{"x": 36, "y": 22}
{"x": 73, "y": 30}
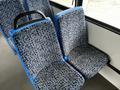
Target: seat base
{"x": 59, "y": 76}
{"x": 88, "y": 60}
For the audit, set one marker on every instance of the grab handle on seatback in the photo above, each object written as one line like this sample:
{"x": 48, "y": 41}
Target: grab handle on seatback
{"x": 25, "y": 14}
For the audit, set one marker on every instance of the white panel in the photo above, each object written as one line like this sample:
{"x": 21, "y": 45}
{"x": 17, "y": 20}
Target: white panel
{"x": 111, "y": 76}
{"x": 108, "y": 42}
{"x": 85, "y": 5}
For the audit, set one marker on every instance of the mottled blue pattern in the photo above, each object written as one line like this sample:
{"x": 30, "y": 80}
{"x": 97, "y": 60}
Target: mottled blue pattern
{"x": 72, "y": 28}
{"x": 39, "y": 50}
{"x": 74, "y": 42}
{"x": 88, "y": 60}
{"x": 42, "y": 5}
{"x": 59, "y": 76}
{"x": 9, "y": 9}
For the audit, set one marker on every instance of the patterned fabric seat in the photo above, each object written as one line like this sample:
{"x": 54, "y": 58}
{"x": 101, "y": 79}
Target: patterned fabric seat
{"x": 58, "y": 76}
{"x": 40, "y": 54}
{"x": 73, "y": 38}
{"x": 88, "y": 60}
{"x": 9, "y": 9}
{"x": 42, "y": 5}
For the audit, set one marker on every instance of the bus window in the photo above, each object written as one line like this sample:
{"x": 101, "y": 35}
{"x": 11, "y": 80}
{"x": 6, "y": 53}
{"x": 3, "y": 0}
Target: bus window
{"x": 107, "y": 11}
{"x": 67, "y": 3}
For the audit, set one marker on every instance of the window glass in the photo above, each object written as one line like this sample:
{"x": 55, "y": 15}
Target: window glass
{"x": 107, "y": 11}
{"x": 67, "y": 3}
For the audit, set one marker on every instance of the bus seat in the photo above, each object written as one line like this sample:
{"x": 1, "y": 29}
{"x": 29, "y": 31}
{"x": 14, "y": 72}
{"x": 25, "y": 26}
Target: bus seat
{"x": 42, "y": 5}
{"x": 9, "y": 9}
{"x": 73, "y": 38}
{"x": 38, "y": 48}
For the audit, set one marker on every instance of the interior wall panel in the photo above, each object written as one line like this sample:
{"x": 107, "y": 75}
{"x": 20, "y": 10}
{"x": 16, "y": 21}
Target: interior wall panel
{"x": 109, "y": 42}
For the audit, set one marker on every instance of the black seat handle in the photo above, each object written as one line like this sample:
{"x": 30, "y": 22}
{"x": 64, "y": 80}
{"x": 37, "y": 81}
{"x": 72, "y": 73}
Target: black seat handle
{"x": 25, "y": 14}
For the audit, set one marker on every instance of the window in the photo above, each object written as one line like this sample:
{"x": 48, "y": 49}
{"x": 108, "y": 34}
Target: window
{"x": 107, "y": 11}
{"x": 67, "y": 3}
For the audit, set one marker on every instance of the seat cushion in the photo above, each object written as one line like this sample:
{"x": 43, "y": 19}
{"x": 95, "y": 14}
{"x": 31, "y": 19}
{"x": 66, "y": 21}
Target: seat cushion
{"x": 58, "y": 76}
{"x": 88, "y": 60}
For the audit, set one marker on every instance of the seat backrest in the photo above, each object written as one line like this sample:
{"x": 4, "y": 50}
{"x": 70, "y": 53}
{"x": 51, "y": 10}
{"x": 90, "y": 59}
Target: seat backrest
{"x": 37, "y": 45}
{"x": 71, "y": 29}
{"x": 42, "y": 5}
{"x": 9, "y": 9}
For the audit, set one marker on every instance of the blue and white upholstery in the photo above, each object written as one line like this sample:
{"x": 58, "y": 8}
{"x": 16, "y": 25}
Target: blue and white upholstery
{"x": 42, "y": 5}
{"x": 9, "y": 9}
{"x": 40, "y": 54}
{"x": 73, "y": 38}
